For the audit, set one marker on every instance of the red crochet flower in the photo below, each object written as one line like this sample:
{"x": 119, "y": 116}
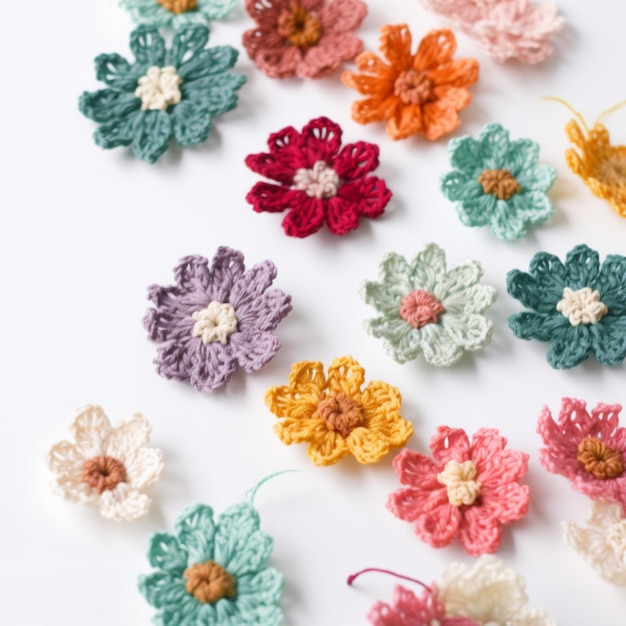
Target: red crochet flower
{"x": 469, "y": 489}
{"x": 318, "y": 179}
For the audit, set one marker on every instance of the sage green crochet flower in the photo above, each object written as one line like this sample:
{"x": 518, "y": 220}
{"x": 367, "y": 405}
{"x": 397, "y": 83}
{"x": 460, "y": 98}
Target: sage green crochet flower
{"x": 177, "y": 13}
{"x": 424, "y": 307}
{"x": 164, "y": 93}
{"x": 498, "y": 182}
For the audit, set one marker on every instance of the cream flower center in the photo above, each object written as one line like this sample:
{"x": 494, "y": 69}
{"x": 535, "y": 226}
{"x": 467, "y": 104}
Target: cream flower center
{"x": 459, "y": 481}
{"x": 419, "y": 308}
{"x": 413, "y": 87}
{"x": 179, "y": 6}
{"x": 216, "y": 322}
{"x": 209, "y": 582}
{"x": 158, "y": 89}
{"x": 321, "y": 181}
{"x": 104, "y": 473}
{"x": 501, "y": 183}
{"x": 340, "y": 413}
{"x": 582, "y": 306}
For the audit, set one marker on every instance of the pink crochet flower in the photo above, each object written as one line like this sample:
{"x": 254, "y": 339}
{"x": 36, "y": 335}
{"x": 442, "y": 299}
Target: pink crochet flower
{"x": 304, "y": 38}
{"x": 318, "y": 179}
{"x": 589, "y": 450}
{"x": 469, "y": 489}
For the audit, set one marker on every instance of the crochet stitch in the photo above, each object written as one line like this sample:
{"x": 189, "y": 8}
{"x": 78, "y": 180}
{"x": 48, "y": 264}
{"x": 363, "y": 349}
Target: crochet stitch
{"x": 107, "y": 466}
{"x": 424, "y": 307}
{"x": 215, "y": 319}
{"x": 498, "y": 182}
{"x": 318, "y": 179}
{"x": 164, "y": 93}
{"x": 579, "y": 307}
{"x": 303, "y": 38}
{"x": 469, "y": 489}
{"x": 177, "y": 13}
{"x": 414, "y": 93}
{"x": 334, "y": 416}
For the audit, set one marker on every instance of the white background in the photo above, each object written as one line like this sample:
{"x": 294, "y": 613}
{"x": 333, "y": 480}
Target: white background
{"x": 84, "y": 232}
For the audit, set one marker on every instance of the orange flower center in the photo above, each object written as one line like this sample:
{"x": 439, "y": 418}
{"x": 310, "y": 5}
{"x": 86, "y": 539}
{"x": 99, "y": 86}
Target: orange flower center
{"x": 340, "y": 413}
{"x": 179, "y": 6}
{"x": 209, "y": 582}
{"x": 299, "y": 26}
{"x": 419, "y": 308}
{"x": 600, "y": 460}
{"x": 104, "y": 473}
{"x": 501, "y": 183}
{"x": 413, "y": 87}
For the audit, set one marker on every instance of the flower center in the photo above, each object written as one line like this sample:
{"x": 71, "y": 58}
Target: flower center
{"x": 217, "y": 322}
{"x": 209, "y": 582}
{"x": 103, "y": 473}
{"x": 501, "y": 183}
{"x": 459, "y": 481}
{"x": 600, "y": 460}
{"x": 179, "y": 6}
{"x": 321, "y": 181}
{"x": 413, "y": 87}
{"x": 582, "y": 306}
{"x": 340, "y": 413}
{"x": 159, "y": 88}
{"x": 300, "y": 26}
{"x": 419, "y": 308}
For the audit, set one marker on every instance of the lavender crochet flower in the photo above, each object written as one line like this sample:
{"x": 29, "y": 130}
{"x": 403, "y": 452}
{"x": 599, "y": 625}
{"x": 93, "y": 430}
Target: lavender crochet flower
{"x": 213, "y": 320}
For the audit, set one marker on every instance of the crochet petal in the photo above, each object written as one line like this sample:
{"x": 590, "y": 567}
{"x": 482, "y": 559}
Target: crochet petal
{"x": 161, "y": 589}
{"x": 118, "y": 132}
{"x": 367, "y": 445}
{"x": 570, "y": 347}
{"x": 209, "y": 62}
{"x": 370, "y": 194}
{"x": 540, "y": 326}
{"x": 211, "y": 368}
{"x": 227, "y": 269}
{"x": 166, "y": 553}
{"x": 408, "y": 504}
{"x": 328, "y": 54}
{"x": 345, "y": 375}
{"x": 469, "y": 331}
{"x": 418, "y": 471}
{"x": 356, "y": 160}
{"x": 439, "y": 522}
{"x": 436, "y": 48}
{"x": 152, "y": 132}
{"x": 611, "y": 282}
{"x": 438, "y": 346}
{"x": 255, "y": 349}
{"x": 395, "y": 44}
{"x": 342, "y": 215}
{"x": 306, "y": 219}
{"x": 192, "y": 274}
{"x": 507, "y": 503}
{"x": 457, "y": 279}
{"x": 407, "y": 120}
{"x": 327, "y": 449}
{"x": 457, "y": 73}
{"x": 252, "y": 284}
{"x": 187, "y": 42}
{"x": 284, "y": 158}
{"x": 450, "y": 444}
{"x": 465, "y": 155}
{"x": 106, "y": 105}
{"x": 474, "y": 299}
{"x": 439, "y": 118}
{"x": 302, "y": 395}
{"x": 522, "y": 155}
{"x": 148, "y": 46}
{"x": 322, "y": 139}
{"x": 195, "y": 530}
{"x": 91, "y": 429}
{"x": 428, "y": 267}
{"x": 192, "y": 123}
{"x": 215, "y": 93}
{"x": 494, "y": 146}
{"x": 477, "y": 211}
{"x": 385, "y": 297}
{"x": 115, "y": 71}
{"x": 216, "y": 9}
{"x": 144, "y": 467}
{"x": 479, "y": 534}
{"x": 265, "y": 312}
{"x": 300, "y": 429}
{"x": 175, "y": 614}
{"x": 608, "y": 338}
{"x": 123, "y": 503}
{"x": 260, "y": 588}
{"x": 582, "y": 267}
{"x": 537, "y": 178}
{"x": 270, "y": 198}
{"x": 463, "y": 187}
{"x": 532, "y": 207}
{"x": 495, "y": 464}
{"x": 506, "y": 222}
{"x": 128, "y": 437}
{"x": 342, "y": 16}
{"x": 542, "y": 288}
{"x": 375, "y": 109}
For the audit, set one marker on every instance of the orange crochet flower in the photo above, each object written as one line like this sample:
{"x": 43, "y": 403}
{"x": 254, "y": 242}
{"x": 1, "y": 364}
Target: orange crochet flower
{"x": 420, "y": 93}
{"x": 334, "y": 416}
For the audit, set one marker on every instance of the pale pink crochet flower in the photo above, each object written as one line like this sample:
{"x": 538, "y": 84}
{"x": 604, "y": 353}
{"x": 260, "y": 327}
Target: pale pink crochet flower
{"x": 469, "y": 490}
{"x": 589, "y": 450}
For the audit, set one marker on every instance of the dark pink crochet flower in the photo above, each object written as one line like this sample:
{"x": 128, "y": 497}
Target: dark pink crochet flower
{"x": 589, "y": 450}
{"x": 318, "y": 180}
{"x": 468, "y": 490}
{"x": 213, "y": 320}
{"x": 305, "y": 38}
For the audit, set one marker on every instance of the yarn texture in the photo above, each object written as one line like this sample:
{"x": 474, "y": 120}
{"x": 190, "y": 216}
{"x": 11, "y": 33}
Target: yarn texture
{"x": 319, "y": 180}
{"x": 578, "y": 307}
{"x": 215, "y": 319}
{"x": 335, "y": 416}
{"x": 469, "y": 490}
{"x": 303, "y": 38}
{"x": 498, "y": 182}
{"x": 414, "y": 93}
{"x": 164, "y": 93}
{"x": 424, "y": 307}
{"x": 177, "y": 13}
{"x": 107, "y": 466}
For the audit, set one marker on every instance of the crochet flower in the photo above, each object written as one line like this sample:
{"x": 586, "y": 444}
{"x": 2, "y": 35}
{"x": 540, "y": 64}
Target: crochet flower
{"x": 579, "y": 307}
{"x": 304, "y": 38}
{"x": 469, "y": 489}
{"x": 334, "y": 416}
{"x": 107, "y": 466}
{"x": 498, "y": 182}
{"x": 163, "y": 94}
{"x": 588, "y": 449}
{"x": 602, "y": 542}
{"x": 414, "y": 93}
{"x": 177, "y": 13}
{"x": 212, "y": 572}
{"x": 318, "y": 179}
{"x": 215, "y": 319}
{"x": 424, "y": 307}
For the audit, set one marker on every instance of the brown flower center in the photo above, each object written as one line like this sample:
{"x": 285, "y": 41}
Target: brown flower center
{"x": 300, "y": 26}
{"x": 104, "y": 473}
{"x": 501, "y": 183}
{"x": 179, "y": 6}
{"x": 413, "y": 87}
{"x": 419, "y": 308}
{"x": 340, "y": 413}
{"x": 209, "y": 582}
{"x": 600, "y": 460}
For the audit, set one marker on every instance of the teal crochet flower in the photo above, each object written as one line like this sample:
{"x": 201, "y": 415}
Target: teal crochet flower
{"x": 177, "y": 13}
{"x": 424, "y": 307}
{"x": 579, "y": 307}
{"x": 497, "y": 181}
{"x": 213, "y": 573}
{"x": 163, "y": 94}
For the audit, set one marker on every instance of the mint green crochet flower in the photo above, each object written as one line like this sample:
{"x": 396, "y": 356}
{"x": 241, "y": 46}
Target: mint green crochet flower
{"x": 177, "y": 13}
{"x": 213, "y": 573}
{"x": 427, "y": 308}
{"x": 579, "y": 307}
{"x": 163, "y": 94}
{"x": 498, "y": 182}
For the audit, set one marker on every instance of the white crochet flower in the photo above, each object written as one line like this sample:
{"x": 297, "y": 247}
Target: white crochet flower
{"x": 108, "y": 466}
{"x": 489, "y": 594}
{"x": 602, "y": 542}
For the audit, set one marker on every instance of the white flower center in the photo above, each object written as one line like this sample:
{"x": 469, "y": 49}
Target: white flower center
{"x": 459, "y": 481}
{"x": 215, "y": 323}
{"x": 321, "y": 181}
{"x": 582, "y": 306}
{"x": 616, "y": 538}
{"x": 159, "y": 88}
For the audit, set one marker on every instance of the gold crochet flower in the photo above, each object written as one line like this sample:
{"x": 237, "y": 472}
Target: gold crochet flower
{"x": 334, "y": 416}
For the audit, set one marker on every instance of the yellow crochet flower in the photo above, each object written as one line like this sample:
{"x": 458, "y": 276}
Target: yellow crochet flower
{"x": 334, "y": 416}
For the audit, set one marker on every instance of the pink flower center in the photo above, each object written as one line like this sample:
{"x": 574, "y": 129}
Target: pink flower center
{"x": 419, "y": 308}
{"x": 500, "y": 183}
{"x": 299, "y": 26}
{"x": 340, "y": 413}
{"x": 103, "y": 473}
{"x": 413, "y": 87}
{"x": 600, "y": 460}
{"x": 209, "y": 582}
